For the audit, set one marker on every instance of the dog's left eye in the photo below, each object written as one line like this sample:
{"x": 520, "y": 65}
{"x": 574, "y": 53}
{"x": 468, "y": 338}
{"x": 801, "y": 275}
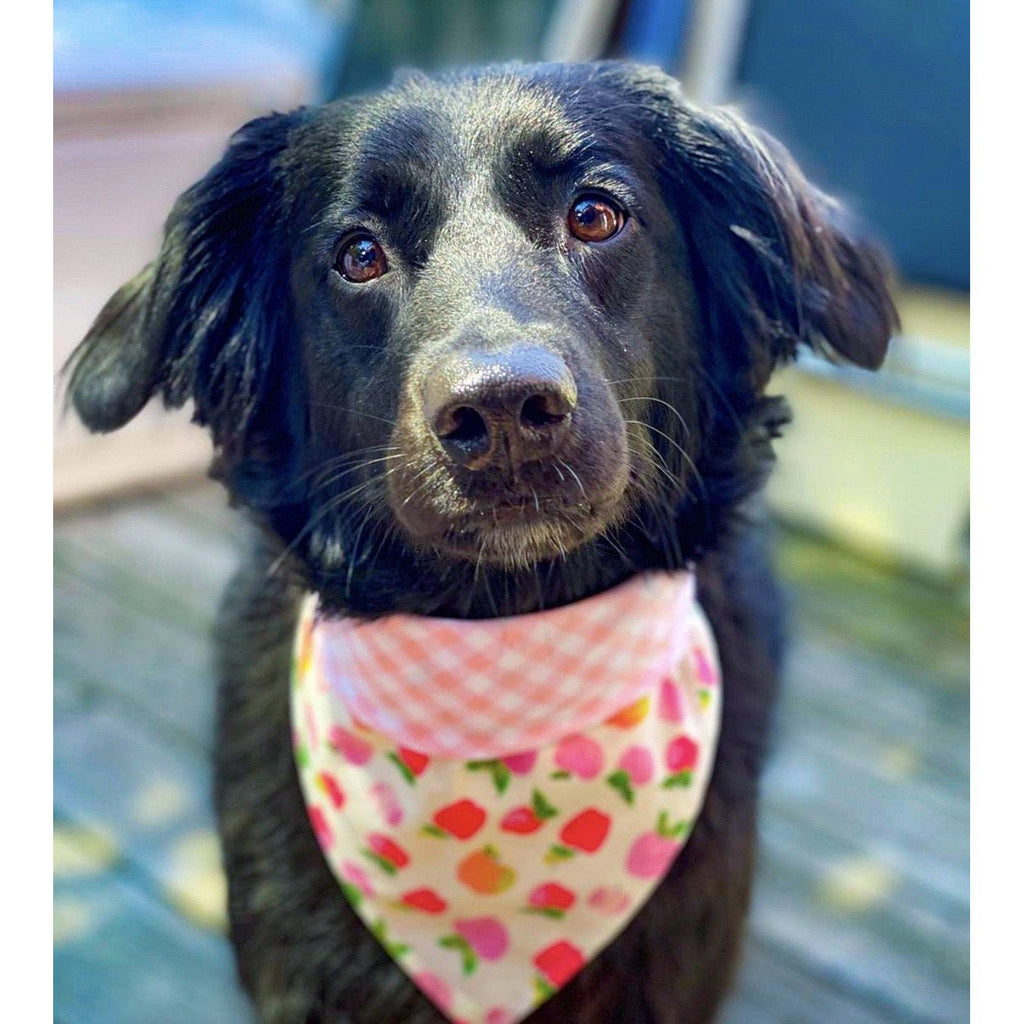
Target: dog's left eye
{"x": 595, "y": 218}
{"x": 360, "y": 259}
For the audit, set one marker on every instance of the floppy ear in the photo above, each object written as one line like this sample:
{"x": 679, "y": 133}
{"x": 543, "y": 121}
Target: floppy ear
{"x": 778, "y": 263}
{"x": 204, "y": 320}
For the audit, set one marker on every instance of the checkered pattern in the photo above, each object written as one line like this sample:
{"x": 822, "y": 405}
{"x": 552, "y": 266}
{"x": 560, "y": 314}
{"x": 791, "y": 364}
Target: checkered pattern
{"x": 489, "y": 688}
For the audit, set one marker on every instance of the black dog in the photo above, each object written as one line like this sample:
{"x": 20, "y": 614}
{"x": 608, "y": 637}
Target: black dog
{"x": 475, "y": 346}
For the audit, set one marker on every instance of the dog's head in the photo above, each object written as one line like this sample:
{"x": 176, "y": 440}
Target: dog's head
{"x": 493, "y": 340}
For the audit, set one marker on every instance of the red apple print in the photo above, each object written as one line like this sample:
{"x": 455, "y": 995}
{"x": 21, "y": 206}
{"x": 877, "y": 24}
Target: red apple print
{"x": 521, "y": 763}
{"x": 521, "y": 820}
{"x": 552, "y": 899}
{"x": 416, "y": 761}
{"x": 321, "y": 827}
{"x": 580, "y": 755}
{"x": 486, "y": 936}
{"x": 670, "y": 702}
{"x": 559, "y": 962}
{"x": 498, "y": 1015}
{"x": 328, "y": 785}
{"x": 351, "y": 747}
{"x": 461, "y": 819}
{"x": 410, "y": 763}
{"x": 638, "y": 763}
{"x": 426, "y": 900}
{"x": 681, "y": 754}
{"x": 385, "y": 852}
{"x": 607, "y": 899}
{"x": 587, "y": 831}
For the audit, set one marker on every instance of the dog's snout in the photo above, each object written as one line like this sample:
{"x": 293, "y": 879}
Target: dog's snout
{"x": 513, "y": 406}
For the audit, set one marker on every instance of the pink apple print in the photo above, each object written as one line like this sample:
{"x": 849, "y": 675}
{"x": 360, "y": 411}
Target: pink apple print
{"x": 580, "y": 755}
{"x": 434, "y": 988}
{"x": 652, "y": 853}
{"x": 357, "y": 876}
{"x": 321, "y": 827}
{"x": 351, "y": 747}
{"x": 670, "y": 702}
{"x": 498, "y": 1015}
{"x": 638, "y": 763}
{"x": 607, "y": 899}
{"x": 681, "y": 754}
{"x": 521, "y": 763}
{"x": 387, "y": 803}
{"x": 486, "y": 935}
{"x": 705, "y": 670}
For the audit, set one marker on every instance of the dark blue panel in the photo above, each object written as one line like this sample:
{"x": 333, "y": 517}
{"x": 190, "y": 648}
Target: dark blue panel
{"x": 654, "y": 31}
{"x": 873, "y": 98}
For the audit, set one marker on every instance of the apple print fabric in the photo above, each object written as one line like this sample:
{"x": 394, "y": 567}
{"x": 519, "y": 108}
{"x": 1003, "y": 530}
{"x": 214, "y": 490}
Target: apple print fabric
{"x": 492, "y": 874}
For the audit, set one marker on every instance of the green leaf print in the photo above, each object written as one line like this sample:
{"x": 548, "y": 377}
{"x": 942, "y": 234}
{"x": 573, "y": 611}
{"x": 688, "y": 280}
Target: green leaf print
{"x": 619, "y": 781}
{"x": 501, "y": 775}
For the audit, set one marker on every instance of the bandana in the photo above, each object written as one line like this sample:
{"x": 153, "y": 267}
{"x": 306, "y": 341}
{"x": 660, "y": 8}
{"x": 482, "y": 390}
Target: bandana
{"x": 498, "y": 798}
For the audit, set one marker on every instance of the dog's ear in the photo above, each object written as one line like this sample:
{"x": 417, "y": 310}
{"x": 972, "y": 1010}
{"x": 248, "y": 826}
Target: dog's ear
{"x": 201, "y": 320}
{"x": 778, "y": 263}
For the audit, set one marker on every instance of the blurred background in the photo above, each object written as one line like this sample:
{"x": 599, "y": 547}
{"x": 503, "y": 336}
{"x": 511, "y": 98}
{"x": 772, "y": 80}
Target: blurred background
{"x": 861, "y": 910}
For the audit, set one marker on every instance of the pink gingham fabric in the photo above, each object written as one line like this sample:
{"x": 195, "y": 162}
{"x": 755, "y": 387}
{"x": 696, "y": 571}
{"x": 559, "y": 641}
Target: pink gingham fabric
{"x": 454, "y": 688}
{"x": 492, "y": 878}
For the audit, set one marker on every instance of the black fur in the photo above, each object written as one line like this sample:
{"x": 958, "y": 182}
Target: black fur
{"x": 728, "y": 261}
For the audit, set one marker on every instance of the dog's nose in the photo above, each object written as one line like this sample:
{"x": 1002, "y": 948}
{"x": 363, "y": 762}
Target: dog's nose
{"x": 511, "y": 406}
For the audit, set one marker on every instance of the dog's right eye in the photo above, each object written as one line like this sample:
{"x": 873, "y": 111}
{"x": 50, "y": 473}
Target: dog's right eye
{"x": 360, "y": 259}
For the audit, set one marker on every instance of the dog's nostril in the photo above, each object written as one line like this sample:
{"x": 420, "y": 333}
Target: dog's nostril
{"x": 466, "y": 424}
{"x": 541, "y": 411}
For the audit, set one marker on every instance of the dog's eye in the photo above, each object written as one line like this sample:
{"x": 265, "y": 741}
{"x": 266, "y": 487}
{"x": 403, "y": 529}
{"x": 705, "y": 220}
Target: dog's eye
{"x": 595, "y": 219}
{"x": 360, "y": 259}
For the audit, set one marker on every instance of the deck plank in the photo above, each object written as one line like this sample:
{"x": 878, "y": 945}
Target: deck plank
{"x": 121, "y": 956}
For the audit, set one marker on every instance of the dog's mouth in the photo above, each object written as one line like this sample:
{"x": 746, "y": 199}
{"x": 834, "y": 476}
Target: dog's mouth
{"x": 511, "y": 523}
{"x": 520, "y": 534}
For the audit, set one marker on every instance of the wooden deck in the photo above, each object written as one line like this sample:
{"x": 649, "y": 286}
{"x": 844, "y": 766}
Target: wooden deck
{"x": 861, "y": 909}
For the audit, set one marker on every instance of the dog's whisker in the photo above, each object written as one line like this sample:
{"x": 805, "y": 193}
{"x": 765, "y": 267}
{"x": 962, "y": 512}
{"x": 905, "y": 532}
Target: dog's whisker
{"x": 329, "y": 464}
{"x": 668, "y": 405}
{"x": 359, "y": 466}
{"x": 351, "y": 410}
{"x": 572, "y": 473}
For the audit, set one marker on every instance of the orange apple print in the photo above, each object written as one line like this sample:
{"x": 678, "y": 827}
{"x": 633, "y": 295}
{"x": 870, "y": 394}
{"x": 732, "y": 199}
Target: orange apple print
{"x": 483, "y": 872}
{"x": 305, "y": 655}
{"x": 632, "y": 715}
